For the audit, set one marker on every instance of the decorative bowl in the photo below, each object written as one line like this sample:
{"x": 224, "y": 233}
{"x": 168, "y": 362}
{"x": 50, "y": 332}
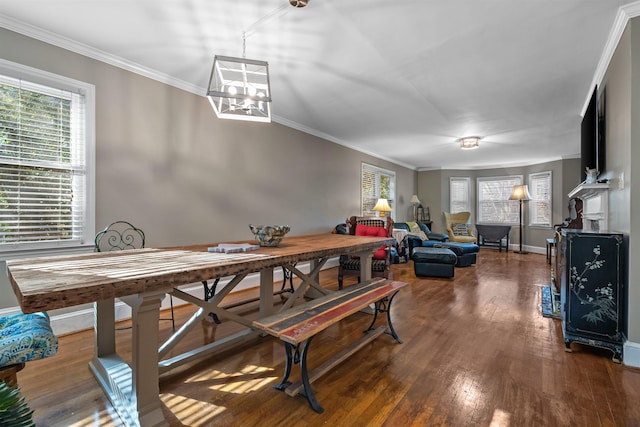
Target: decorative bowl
{"x": 269, "y": 235}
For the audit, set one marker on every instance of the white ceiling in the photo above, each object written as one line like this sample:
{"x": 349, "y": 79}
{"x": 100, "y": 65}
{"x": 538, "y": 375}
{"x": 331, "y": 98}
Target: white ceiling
{"x": 402, "y": 80}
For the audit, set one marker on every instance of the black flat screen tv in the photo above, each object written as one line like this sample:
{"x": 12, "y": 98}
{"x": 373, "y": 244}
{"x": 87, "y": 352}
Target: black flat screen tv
{"x": 592, "y": 141}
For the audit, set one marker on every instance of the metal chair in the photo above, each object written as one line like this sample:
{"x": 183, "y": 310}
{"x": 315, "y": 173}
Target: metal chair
{"x": 122, "y": 235}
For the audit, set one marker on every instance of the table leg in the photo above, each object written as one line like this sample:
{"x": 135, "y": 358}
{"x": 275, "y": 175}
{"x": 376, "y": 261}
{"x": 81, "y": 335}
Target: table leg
{"x": 133, "y": 391}
{"x": 104, "y": 326}
{"x": 266, "y": 292}
{"x": 366, "y": 262}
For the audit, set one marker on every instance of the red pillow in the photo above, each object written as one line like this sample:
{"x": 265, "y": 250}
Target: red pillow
{"x": 371, "y": 231}
{"x": 381, "y": 253}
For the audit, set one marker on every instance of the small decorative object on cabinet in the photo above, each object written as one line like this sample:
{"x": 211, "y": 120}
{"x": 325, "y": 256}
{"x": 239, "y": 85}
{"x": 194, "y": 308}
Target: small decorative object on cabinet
{"x": 423, "y": 214}
{"x": 593, "y": 290}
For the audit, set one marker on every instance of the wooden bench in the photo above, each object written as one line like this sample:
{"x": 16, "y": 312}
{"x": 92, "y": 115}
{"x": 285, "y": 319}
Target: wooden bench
{"x": 298, "y": 325}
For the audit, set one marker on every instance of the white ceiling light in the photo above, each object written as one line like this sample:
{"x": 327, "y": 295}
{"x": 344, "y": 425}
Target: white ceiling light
{"x": 469, "y": 142}
{"x": 298, "y": 3}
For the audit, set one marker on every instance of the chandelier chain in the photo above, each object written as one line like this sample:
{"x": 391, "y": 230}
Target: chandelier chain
{"x": 244, "y": 44}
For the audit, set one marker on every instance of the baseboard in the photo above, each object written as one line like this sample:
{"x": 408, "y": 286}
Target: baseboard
{"x": 631, "y": 354}
{"x": 82, "y": 319}
{"x": 526, "y": 248}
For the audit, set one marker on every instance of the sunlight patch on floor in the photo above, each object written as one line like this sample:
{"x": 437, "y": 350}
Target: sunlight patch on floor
{"x": 191, "y": 412}
{"x": 500, "y": 418}
{"x": 249, "y": 378}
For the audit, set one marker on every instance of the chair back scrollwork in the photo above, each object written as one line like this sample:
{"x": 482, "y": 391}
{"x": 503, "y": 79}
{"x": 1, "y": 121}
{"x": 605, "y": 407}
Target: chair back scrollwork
{"x": 119, "y": 236}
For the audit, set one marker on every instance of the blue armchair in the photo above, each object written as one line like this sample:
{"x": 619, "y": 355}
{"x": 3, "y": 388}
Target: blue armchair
{"x": 417, "y": 241}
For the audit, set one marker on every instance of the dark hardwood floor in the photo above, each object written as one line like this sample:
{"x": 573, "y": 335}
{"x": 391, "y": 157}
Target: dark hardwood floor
{"x": 476, "y": 352}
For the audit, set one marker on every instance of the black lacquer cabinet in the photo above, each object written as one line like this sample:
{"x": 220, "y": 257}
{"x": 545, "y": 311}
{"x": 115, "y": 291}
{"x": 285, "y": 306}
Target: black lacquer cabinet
{"x": 593, "y": 289}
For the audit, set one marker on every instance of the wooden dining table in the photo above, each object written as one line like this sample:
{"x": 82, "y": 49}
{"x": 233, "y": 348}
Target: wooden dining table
{"x": 142, "y": 277}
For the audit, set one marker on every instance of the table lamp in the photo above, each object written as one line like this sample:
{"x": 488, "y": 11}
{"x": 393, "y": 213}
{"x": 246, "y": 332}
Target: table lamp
{"x": 382, "y": 206}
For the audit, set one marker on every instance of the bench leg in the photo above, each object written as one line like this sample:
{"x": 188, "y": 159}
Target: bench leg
{"x": 294, "y": 356}
{"x": 291, "y": 358}
{"x": 384, "y": 306}
{"x": 304, "y": 373}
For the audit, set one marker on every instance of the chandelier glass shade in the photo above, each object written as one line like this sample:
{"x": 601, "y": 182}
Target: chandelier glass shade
{"x": 239, "y": 89}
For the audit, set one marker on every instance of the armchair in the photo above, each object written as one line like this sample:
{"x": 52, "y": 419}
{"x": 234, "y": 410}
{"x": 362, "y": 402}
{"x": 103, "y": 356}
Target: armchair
{"x": 458, "y": 227}
{"x": 417, "y": 235}
{"x": 350, "y": 265}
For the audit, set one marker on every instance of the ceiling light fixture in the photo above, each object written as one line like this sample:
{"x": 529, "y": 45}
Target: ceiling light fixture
{"x": 298, "y": 3}
{"x": 239, "y": 88}
{"x": 469, "y": 142}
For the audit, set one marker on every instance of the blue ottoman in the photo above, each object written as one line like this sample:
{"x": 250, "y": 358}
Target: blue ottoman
{"x": 433, "y": 262}
{"x": 466, "y": 252}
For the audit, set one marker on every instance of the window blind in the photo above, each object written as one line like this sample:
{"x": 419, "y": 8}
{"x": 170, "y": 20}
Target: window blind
{"x": 494, "y": 206}
{"x": 376, "y": 183}
{"x": 540, "y": 204}
{"x": 459, "y": 195}
{"x": 42, "y": 163}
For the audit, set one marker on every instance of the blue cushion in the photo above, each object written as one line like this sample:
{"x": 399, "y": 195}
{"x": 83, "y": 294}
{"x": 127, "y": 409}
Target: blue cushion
{"x": 25, "y": 337}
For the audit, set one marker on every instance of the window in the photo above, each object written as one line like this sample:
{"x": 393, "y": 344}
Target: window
{"x": 540, "y": 204}
{"x": 377, "y": 183}
{"x": 494, "y": 206}
{"x": 459, "y": 195}
{"x": 46, "y": 160}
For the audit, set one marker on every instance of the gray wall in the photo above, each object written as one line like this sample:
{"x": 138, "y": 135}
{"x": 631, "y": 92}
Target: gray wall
{"x": 621, "y": 89}
{"x": 433, "y": 190}
{"x": 620, "y": 85}
{"x": 167, "y": 164}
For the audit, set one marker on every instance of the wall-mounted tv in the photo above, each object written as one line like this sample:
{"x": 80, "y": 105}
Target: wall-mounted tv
{"x": 592, "y": 140}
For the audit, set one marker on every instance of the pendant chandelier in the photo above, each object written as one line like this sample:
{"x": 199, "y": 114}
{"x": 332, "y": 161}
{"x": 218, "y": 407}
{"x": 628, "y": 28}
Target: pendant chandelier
{"x": 239, "y": 88}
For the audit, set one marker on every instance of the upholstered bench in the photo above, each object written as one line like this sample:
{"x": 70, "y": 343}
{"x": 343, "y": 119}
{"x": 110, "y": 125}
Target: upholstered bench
{"x": 433, "y": 262}
{"x": 24, "y": 337}
{"x": 466, "y": 252}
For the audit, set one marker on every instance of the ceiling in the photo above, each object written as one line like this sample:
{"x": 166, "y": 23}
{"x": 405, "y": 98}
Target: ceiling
{"x": 401, "y": 80}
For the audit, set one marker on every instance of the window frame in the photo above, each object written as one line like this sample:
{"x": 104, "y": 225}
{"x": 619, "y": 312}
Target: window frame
{"x": 378, "y": 171}
{"x": 464, "y": 180}
{"x": 55, "y": 81}
{"x": 533, "y": 202}
{"x": 513, "y": 205}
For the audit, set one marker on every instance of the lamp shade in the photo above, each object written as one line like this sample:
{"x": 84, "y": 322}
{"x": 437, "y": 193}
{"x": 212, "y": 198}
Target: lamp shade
{"x": 382, "y": 206}
{"x": 239, "y": 89}
{"x": 520, "y": 192}
{"x": 415, "y": 200}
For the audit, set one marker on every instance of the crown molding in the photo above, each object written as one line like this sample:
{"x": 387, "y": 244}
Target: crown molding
{"x": 91, "y": 52}
{"x": 625, "y": 13}
{"x": 322, "y": 135}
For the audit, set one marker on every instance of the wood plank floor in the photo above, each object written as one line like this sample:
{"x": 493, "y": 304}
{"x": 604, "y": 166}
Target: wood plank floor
{"x": 476, "y": 352}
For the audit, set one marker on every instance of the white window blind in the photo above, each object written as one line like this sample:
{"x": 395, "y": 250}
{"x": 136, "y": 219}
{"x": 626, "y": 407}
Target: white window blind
{"x": 377, "y": 183}
{"x": 43, "y": 165}
{"x": 494, "y": 206}
{"x": 540, "y": 204}
{"x": 459, "y": 194}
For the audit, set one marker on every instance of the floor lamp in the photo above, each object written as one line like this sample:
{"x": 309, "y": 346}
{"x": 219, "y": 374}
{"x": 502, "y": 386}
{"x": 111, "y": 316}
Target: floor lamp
{"x": 521, "y": 194}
